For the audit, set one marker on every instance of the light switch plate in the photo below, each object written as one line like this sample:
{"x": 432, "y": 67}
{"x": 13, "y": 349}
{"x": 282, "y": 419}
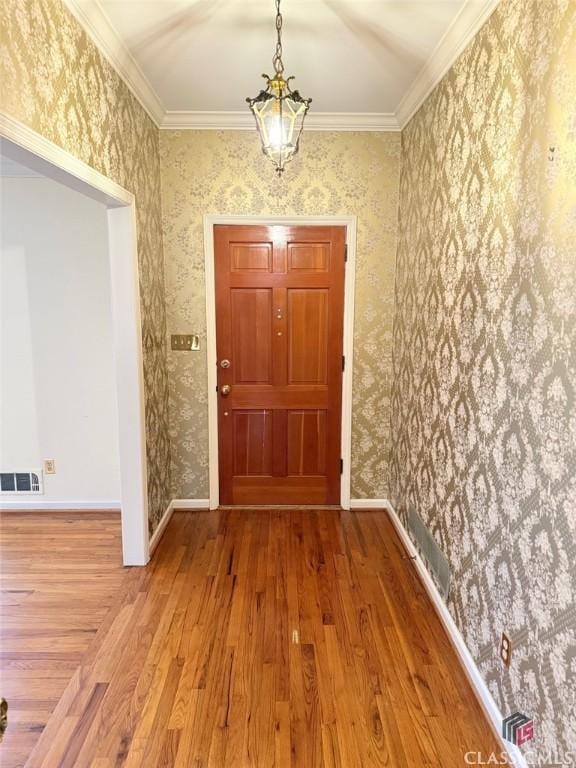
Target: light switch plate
{"x": 185, "y": 342}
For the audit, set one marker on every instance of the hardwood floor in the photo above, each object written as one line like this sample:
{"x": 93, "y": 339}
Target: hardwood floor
{"x": 254, "y": 638}
{"x": 59, "y": 576}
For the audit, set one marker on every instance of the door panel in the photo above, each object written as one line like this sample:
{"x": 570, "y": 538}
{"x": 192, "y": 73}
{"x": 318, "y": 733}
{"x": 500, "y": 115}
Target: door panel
{"x": 251, "y": 322}
{"x": 251, "y": 257}
{"x": 252, "y": 442}
{"x": 306, "y": 442}
{"x": 310, "y": 257}
{"x": 307, "y": 320}
{"x": 279, "y": 325}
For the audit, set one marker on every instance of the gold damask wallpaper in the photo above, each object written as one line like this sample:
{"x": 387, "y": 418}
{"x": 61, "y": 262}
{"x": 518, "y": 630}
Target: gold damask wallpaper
{"x": 225, "y": 172}
{"x": 464, "y": 375}
{"x": 53, "y": 79}
{"x": 484, "y": 395}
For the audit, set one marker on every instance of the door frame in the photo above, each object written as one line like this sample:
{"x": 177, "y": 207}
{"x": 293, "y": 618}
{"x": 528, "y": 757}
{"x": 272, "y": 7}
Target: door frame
{"x": 350, "y": 223}
{"x": 56, "y": 163}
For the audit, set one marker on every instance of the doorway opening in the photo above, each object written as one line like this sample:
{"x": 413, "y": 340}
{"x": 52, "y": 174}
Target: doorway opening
{"x": 67, "y": 177}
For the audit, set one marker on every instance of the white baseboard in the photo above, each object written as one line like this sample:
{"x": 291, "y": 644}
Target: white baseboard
{"x": 479, "y": 686}
{"x": 160, "y": 528}
{"x": 190, "y": 503}
{"x": 172, "y": 507}
{"x": 368, "y": 503}
{"x": 31, "y": 504}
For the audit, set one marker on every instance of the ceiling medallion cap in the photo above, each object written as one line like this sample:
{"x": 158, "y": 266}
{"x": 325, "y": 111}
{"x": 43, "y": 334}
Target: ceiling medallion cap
{"x": 278, "y": 110}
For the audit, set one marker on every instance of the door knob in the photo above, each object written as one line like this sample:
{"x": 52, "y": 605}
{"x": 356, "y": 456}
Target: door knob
{"x": 225, "y": 390}
{"x": 225, "y": 363}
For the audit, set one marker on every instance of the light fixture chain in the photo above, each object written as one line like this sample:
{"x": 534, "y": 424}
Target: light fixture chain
{"x": 277, "y": 60}
{"x": 279, "y": 111}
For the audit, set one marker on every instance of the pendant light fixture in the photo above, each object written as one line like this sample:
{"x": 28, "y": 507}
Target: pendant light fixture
{"x": 279, "y": 111}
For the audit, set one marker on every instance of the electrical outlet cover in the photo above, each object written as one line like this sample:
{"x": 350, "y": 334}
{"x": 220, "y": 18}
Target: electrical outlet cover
{"x": 505, "y": 649}
{"x": 49, "y": 467}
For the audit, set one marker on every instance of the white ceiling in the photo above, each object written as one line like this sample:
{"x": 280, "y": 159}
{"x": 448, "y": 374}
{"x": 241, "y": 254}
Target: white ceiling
{"x": 196, "y": 61}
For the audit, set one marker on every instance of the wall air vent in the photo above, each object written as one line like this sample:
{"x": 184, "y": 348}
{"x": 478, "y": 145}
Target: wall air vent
{"x": 29, "y": 481}
{"x": 433, "y": 557}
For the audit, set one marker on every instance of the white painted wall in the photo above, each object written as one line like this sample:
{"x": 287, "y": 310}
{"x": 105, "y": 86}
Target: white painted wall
{"x": 58, "y": 389}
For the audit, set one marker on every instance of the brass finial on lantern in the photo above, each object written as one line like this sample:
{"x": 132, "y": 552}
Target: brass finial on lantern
{"x": 279, "y": 111}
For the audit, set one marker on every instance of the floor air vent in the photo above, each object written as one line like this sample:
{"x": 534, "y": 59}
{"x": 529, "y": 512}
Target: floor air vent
{"x": 430, "y": 552}
{"x": 21, "y": 482}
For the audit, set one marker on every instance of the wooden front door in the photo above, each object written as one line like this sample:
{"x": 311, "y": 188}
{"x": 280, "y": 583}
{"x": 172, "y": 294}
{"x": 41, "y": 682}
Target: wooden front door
{"x": 279, "y": 325}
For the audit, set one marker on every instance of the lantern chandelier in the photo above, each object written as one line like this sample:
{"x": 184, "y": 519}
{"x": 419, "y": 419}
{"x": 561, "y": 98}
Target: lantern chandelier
{"x": 279, "y": 111}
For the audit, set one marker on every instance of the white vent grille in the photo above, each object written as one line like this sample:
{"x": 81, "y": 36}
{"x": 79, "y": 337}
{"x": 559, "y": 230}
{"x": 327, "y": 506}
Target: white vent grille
{"x": 430, "y": 552}
{"x": 25, "y": 482}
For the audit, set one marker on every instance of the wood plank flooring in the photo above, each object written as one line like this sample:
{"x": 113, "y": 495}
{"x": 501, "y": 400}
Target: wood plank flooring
{"x": 59, "y": 576}
{"x": 255, "y": 638}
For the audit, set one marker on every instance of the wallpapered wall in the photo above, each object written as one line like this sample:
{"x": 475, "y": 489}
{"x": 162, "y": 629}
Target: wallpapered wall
{"x": 483, "y": 404}
{"x": 483, "y": 393}
{"x": 226, "y": 173}
{"x": 55, "y": 81}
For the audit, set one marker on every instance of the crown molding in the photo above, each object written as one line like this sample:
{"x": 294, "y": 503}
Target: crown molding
{"x": 95, "y": 22}
{"x": 315, "y": 121}
{"x": 472, "y": 16}
{"x": 464, "y": 27}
